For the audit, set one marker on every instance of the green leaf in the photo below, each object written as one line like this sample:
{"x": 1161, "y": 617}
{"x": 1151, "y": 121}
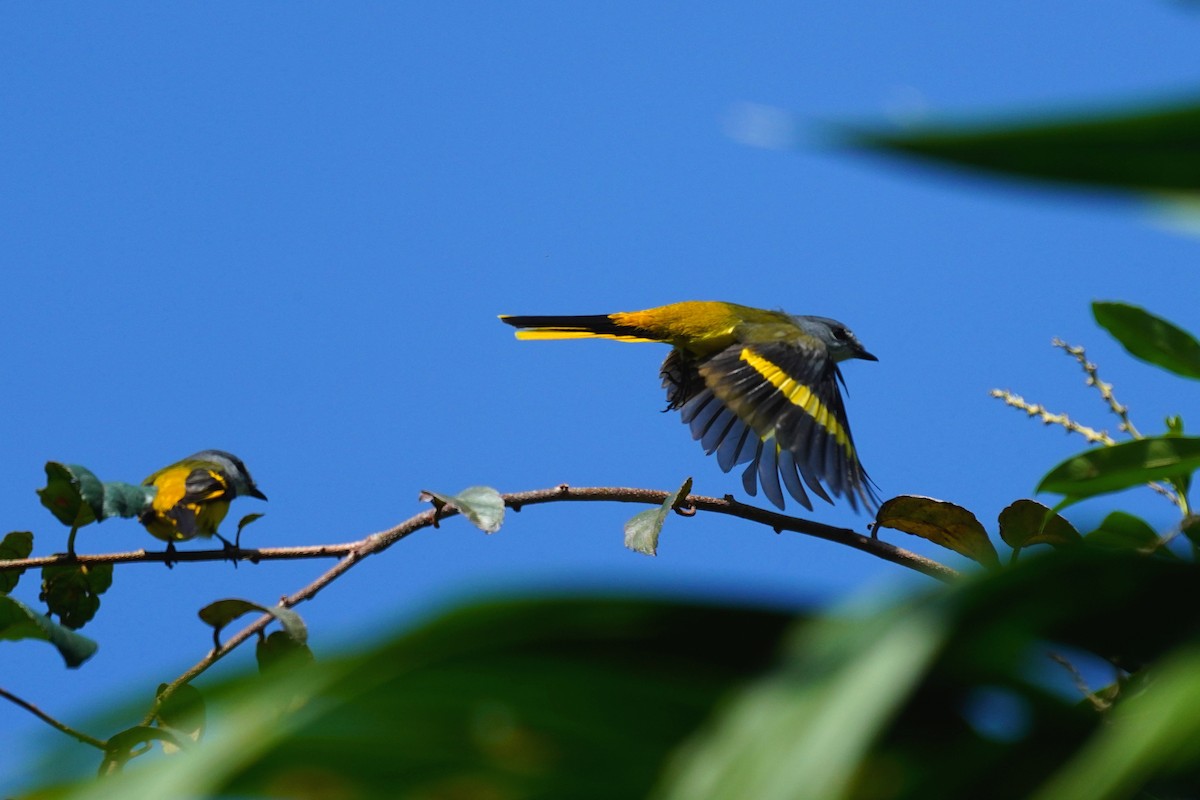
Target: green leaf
{"x": 1150, "y": 732}
{"x": 122, "y": 746}
{"x": 558, "y": 697}
{"x": 73, "y": 494}
{"x": 1028, "y": 522}
{"x": 220, "y": 613}
{"x": 72, "y": 591}
{"x": 1110, "y": 469}
{"x": 19, "y": 621}
{"x": 811, "y": 724}
{"x": 15, "y": 546}
{"x": 183, "y": 712}
{"x": 940, "y": 522}
{"x": 643, "y": 529}
{"x": 1121, "y": 531}
{"x": 482, "y": 505}
{"x": 126, "y": 500}
{"x": 1150, "y": 338}
{"x": 1142, "y": 151}
{"x": 246, "y": 520}
{"x": 1190, "y": 527}
{"x": 279, "y": 650}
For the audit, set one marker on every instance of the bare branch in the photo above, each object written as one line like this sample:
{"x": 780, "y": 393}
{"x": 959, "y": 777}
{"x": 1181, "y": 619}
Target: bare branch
{"x": 1105, "y": 389}
{"x": 49, "y": 720}
{"x": 1050, "y": 418}
{"x": 377, "y": 542}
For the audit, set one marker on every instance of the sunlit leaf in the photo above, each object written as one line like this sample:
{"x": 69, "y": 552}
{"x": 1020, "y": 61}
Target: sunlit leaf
{"x": 1027, "y": 522}
{"x": 810, "y": 724}
{"x": 72, "y": 591}
{"x": 1150, "y": 338}
{"x": 19, "y": 621}
{"x": 15, "y": 546}
{"x": 482, "y": 505}
{"x": 942, "y": 523}
{"x": 1141, "y": 151}
{"x": 643, "y": 529}
{"x": 1110, "y": 469}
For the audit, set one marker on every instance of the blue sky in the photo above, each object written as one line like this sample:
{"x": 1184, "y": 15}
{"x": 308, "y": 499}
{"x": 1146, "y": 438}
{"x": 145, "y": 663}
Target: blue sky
{"x": 286, "y": 230}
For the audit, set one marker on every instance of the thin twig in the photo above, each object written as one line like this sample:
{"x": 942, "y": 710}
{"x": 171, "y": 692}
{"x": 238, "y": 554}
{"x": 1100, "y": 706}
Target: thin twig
{"x": 377, "y": 542}
{"x": 1038, "y": 410}
{"x": 1097, "y": 702}
{"x": 1093, "y": 379}
{"x": 1091, "y": 434}
{"x": 251, "y": 554}
{"x": 49, "y": 720}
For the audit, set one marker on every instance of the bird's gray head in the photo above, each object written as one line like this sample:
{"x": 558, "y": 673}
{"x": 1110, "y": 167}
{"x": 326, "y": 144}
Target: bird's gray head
{"x": 839, "y": 340}
{"x": 234, "y": 469}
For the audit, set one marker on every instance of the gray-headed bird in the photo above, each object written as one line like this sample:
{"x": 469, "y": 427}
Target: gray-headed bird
{"x": 754, "y": 386}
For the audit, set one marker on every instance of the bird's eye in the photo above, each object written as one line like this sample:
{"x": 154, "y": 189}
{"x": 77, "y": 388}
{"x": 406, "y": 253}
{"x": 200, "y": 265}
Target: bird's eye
{"x": 841, "y": 334}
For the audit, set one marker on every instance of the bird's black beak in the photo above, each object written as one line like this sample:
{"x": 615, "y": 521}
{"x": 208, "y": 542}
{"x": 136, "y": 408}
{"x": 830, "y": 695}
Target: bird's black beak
{"x": 254, "y": 492}
{"x": 865, "y": 356}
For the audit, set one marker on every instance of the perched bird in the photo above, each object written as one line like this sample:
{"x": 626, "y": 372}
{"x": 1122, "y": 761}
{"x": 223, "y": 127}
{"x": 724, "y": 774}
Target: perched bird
{"x": 193, "y": 495}
{"x": 755, "y": 386}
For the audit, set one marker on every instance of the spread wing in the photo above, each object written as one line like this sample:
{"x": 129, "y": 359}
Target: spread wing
{"x": 778, "y": 407}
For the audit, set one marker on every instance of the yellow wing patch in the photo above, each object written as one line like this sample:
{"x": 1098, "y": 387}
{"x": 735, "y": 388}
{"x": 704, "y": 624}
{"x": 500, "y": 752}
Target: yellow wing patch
{"x": 798, "y": 395}
{"x": 172, "y": 486}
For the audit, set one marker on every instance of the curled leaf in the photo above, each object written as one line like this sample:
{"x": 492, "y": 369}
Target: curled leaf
{"x": 126, "y": 500}
{"x": 121, "y": 747}
{"x": 220, "y": 613}
{"x": 942, "y": 523}
{"x": 19, "y": 621}
{"x": 482, "y": 505}
{"x": 643, "y": 529}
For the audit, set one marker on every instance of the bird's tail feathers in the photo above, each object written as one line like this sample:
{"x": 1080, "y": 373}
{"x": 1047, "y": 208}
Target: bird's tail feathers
{"x": 595, "y": 326}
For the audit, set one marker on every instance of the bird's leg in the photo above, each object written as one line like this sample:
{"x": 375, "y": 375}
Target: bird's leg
{"x": 232, "y": 551}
